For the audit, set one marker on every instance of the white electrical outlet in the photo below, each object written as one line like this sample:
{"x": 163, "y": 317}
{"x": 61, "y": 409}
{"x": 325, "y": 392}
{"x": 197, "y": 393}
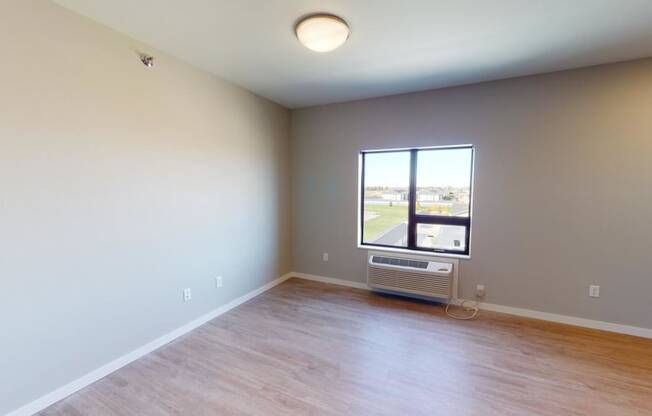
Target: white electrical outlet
{"x": 479, "y": 291}
{"x": 594, "y": 291}
{"x": 218, "y": 281}
{"x": 187, "y": 294}
{"x": 324, "y": 256}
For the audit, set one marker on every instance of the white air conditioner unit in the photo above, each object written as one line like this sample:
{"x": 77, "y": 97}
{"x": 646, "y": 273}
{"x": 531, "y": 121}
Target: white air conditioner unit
{"x": 410, "y": 276}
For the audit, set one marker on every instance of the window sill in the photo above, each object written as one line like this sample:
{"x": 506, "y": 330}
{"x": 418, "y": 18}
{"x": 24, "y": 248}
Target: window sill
{"x": 415, "y": 252}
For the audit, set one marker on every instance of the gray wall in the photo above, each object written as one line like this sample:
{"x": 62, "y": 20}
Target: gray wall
{"x": 119, "y": 186}
{"x": 562, "y": 191}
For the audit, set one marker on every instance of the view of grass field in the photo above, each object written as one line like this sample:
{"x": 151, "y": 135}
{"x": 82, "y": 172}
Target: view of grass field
{"x": 384, "y": 218}
{"x": 381, "y": 218}
{"x": 433, "y": 209}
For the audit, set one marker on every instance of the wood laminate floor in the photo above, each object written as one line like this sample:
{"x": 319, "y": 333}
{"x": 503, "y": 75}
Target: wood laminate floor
{"x": 306, "y": 348}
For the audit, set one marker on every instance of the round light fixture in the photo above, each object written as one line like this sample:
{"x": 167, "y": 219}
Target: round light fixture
{"x": 322, "y": 32}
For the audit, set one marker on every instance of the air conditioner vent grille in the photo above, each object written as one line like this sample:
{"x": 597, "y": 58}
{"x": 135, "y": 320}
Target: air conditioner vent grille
{"x": 418, "y": 283}
{"x": 400, "y": 262}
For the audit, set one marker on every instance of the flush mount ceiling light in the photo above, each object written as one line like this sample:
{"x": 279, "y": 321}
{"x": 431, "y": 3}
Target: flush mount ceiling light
{"x": 322, "y": 32}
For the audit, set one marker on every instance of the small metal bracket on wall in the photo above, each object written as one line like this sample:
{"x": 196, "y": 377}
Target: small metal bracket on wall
{"x": 147, "y": 60}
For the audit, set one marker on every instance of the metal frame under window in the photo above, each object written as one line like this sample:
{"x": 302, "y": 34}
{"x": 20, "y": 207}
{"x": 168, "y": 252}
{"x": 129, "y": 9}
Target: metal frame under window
{"x": 413, "y": 217}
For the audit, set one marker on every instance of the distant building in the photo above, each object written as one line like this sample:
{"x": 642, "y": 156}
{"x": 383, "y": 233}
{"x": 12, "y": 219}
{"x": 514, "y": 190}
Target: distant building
{"x": 428, "y": 196}
{"x": 395, "y": 196}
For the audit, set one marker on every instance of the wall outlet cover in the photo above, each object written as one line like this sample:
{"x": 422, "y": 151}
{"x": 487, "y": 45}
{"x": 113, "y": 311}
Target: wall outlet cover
{"x": 479, "y": 291}
{"x": 594, "y": 291}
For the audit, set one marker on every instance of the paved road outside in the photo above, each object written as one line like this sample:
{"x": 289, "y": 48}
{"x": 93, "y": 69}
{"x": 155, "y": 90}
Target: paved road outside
{"x": 397, "y": 236}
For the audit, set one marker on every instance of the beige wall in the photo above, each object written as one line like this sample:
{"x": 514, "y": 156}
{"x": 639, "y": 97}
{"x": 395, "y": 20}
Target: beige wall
{"x": 119, "y": 186}
{"x": 562, "y": 185}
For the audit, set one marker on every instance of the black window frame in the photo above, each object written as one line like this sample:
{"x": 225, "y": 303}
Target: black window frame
{"x": 413, "y": 217}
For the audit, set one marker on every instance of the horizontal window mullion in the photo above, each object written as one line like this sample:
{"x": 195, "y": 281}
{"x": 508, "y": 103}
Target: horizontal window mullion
{"x": 441, "y": 219}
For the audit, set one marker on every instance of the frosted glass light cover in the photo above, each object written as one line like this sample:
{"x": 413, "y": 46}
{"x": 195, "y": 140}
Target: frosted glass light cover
{"x": 322, "y": 33}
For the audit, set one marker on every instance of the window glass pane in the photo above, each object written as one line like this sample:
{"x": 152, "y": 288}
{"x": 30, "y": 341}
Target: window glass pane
{"x": 441, "y": 237}
{"x": 444, "y": 182}
{"x": 386, "y": 186}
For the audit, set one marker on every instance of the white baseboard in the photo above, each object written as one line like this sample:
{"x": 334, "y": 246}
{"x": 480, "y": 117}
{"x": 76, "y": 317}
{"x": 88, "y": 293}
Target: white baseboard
{"x": 569, "y": 320}
{"x": 331, "y": 280}
{"x": 86, "y": 380}
{"x": 526, "y": 313}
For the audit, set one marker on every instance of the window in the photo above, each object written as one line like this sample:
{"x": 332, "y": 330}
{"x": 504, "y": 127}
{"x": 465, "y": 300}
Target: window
{"x": 417, "y": 199}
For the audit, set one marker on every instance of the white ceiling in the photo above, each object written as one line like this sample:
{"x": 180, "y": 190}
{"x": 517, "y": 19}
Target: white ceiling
{"x": 395, "y": 46}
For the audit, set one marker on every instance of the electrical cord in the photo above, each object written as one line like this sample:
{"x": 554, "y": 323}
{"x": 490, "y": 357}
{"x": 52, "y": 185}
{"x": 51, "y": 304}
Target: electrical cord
{"x": 465, "y": 306}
